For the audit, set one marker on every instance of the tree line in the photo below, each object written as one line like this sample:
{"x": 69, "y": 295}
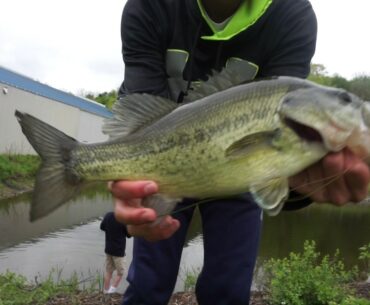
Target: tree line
{"x": 359, "y": 85}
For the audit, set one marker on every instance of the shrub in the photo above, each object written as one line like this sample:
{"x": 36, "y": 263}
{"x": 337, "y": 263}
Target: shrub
{"x": 307, "y": 279}
{"x": 364, "y": 257}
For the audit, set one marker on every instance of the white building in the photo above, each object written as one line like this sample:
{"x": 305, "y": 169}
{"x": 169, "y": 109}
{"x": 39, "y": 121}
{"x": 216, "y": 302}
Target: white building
{"x": 78, "y": 117}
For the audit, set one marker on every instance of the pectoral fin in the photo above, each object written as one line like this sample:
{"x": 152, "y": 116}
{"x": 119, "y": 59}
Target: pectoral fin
{"x": 251, "y": 142}
{"x": 272, "y": 195}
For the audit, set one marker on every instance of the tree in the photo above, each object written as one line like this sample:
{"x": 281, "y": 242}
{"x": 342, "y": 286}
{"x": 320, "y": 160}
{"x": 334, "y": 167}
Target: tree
{"x": 105, "y": 98}
{"x": 319, "y": 75}
{"x": 340, "y": 82}
{"x": 360, "y": 85}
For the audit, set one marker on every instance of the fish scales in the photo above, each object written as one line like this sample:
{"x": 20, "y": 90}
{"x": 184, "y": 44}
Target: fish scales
{"x": 194, "y": 130}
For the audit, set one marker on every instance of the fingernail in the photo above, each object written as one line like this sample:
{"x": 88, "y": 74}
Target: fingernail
{"x": 164, "y": 224}
{"x": 150, "y": 188}
{"x": 177, "y": 225}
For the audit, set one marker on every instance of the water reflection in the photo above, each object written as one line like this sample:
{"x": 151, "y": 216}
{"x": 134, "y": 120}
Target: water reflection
{"x": 69, "y": 239}
{"x": 15, "y": 226}
{"x": 346, "y": 229}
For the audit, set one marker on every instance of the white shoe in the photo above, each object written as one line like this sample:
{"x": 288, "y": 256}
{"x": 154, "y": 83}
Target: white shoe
{"x": 112, "y": 289}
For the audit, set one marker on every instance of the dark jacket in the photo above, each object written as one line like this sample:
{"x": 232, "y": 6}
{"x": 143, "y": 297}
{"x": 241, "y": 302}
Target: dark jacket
{"x": 115, "y": 235}
{"x": 155, "y": 34}
{"x": 164, "y": 41}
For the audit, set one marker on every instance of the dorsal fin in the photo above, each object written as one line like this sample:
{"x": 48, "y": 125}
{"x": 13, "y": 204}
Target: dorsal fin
{"x": 235, "y": 73}
{"x": 135, "y": 111}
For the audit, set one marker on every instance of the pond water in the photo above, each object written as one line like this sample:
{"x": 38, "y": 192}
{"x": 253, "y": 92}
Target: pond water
{"x": 69, "y": 239}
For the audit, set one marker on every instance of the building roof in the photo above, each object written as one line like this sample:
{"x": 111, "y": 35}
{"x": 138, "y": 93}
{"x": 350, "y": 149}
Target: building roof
{"x": 25, "y": 83}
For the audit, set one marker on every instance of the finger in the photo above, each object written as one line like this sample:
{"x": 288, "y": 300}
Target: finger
{"x": 357, "y": 177}
{"x": 129, "y": 214}
{"x": 315, "y": 183}
{"x": 165, "y": 229}
{"x": 309, "y": 182}
{"x": 333, "y": 168}
{"x": 133, "y": 189}
{"x": 299, "y": 182}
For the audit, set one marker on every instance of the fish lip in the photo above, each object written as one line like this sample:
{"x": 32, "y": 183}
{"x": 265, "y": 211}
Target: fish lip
{"x": 305, "y": 132}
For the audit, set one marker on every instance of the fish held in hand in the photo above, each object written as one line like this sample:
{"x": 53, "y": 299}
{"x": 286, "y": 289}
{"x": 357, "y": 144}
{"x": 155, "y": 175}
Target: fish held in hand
{"x": 229, "y": 140}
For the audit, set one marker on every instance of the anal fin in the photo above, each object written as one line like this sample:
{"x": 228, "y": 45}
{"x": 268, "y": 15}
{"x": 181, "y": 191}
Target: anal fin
{"x": 161, "y": 204}
{"x": 271, "y": 196}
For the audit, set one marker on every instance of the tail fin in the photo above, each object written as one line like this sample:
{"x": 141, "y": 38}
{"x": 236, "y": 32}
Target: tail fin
{"x": 54, "y": 183}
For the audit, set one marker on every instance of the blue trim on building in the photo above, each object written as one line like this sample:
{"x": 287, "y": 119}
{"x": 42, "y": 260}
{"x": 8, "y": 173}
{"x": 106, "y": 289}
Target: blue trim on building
{"x": 19, "y": 81}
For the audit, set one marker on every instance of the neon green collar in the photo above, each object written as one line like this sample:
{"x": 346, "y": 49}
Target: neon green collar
{"x": 243, "y": 18}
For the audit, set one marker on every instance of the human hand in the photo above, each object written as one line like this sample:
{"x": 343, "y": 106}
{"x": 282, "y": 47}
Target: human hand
{"x": 338, "y": 178}
{"x": 140, "y": 220}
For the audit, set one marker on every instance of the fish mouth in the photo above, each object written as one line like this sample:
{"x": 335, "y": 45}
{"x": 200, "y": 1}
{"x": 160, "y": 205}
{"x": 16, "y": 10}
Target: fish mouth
{"x": 305, "y": 132}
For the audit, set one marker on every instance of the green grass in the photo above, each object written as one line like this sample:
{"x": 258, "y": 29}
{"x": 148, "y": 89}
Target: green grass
{"x": 18, "y": 167}
{"x": 190, "y": 279}
{"x": 16, "y": 290}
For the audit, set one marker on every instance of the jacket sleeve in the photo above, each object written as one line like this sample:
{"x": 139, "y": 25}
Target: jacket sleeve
{"x": 143, "y": 48}
{"x": 126, "y": 232}
{"x": 290, "y": 51}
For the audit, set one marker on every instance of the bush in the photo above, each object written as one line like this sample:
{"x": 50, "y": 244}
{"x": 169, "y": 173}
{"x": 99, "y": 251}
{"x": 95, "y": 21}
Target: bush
{"x": 364, "y": 257}
{"x": 305, "y": 279}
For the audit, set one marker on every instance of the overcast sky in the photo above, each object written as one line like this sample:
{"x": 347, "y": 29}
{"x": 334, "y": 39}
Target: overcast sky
{"x": 74, "y": 45}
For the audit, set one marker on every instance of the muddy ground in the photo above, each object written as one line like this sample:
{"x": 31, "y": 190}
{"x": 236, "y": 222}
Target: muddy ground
{"x": 180, "y": 298}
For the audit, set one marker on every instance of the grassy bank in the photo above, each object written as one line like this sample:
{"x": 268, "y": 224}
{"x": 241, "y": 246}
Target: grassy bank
{"x": 16, "y": 290}
{"x": 17, "y": 173}
{"x": 305, "y": 278}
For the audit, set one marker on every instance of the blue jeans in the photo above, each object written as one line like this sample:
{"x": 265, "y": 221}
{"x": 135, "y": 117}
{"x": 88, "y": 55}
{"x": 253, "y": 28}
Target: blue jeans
{"x": 231, "y": 232}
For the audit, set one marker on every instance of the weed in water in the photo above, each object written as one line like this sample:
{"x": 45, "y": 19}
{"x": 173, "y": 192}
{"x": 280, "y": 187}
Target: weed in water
{"x": 190, "y": 278}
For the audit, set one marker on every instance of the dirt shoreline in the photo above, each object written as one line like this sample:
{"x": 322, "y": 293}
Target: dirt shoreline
{"x": 180, "y": 298}
{"x": 10, "y": 189}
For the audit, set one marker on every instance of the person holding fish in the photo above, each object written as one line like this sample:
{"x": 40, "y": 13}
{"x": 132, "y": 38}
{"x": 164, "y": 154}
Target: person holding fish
{"x": 189, "y": 129}
{"x": 165, "y": 41}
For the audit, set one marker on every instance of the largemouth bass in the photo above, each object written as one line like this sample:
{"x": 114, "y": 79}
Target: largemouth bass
{"x": 246, "y": 138}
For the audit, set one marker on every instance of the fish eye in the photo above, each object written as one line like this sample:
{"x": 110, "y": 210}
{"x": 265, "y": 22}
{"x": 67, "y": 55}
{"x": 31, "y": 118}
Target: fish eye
{"x": 288, "y": 100}
{"x": 345, "y": 98}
